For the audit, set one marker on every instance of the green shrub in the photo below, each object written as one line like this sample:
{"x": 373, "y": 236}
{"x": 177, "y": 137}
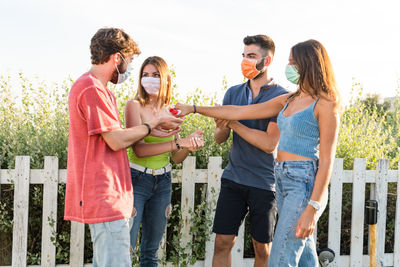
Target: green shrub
{"x": 35, "y": 123}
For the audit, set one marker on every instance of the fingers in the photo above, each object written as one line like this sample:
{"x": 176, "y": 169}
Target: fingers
{"x": 299, "y": 232}
{"x": 174, "y": 132}
{"x": 158, "y": 132}
{"x": 303, "y": 232}
{"x": 221, "y": 123}
{"x": 185, "y": 109}
{"x": 196, "y": 141}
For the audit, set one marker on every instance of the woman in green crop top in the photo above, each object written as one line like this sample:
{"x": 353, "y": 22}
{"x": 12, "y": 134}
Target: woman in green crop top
{"x": 150, "y": 158}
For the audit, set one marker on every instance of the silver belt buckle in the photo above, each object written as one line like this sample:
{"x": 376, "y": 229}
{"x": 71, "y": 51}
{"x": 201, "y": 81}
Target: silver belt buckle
{"x": 153, "y": 172}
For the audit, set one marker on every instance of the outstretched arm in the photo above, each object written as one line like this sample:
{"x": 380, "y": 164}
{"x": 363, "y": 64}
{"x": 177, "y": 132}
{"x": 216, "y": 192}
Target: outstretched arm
{"x": 263, "y": 110}
{"x": 328, "y": 120}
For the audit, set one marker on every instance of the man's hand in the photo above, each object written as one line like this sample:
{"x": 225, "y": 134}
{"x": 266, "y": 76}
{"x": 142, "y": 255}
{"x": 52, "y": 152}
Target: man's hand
{"x": 185, "y": 109}
{"x": 222, "y": 124}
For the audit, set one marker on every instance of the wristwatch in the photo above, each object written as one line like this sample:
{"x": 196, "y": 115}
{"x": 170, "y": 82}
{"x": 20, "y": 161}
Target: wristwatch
{"x": 315, "y": 204}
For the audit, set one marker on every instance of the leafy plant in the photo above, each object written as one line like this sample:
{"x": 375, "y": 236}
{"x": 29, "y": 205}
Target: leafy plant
{"x": 35, "y": 123}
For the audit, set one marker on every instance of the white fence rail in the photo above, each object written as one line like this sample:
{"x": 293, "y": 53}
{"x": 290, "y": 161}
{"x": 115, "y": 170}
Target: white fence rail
{"x": 22, "y": 176}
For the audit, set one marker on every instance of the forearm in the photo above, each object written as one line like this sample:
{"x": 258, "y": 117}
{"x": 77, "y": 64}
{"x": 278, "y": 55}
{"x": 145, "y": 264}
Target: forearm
{"x": 263, "y": 110}
{"x": 230, "y": 112}
{"x": 180, "y": 155}
{"x": 322, "y": 180}
{"x": 257, "y": 138}
{"x": 123, "y": 138}
{"x": 221, "y": 134}
{"x": 152, "y": 149}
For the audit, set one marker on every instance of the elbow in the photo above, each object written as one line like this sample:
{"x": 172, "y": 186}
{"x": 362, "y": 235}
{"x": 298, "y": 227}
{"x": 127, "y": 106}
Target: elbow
{"x": 269, "y": 149}
{"x": 219, "y": 141}
{"x": 139, "y": 153}
{"x": 115, "y": 146}
{"x": 177, "y": 161}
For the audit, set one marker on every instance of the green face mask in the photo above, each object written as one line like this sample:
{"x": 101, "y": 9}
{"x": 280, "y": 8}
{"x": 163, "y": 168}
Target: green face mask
{"x": 292, "y": 74}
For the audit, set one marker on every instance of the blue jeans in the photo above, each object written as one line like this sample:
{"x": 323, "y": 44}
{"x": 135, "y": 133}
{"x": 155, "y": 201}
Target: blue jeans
{"x": 111, "y": 243}
{"x": 152, "y": 196}
{"x": 294, "y": 186}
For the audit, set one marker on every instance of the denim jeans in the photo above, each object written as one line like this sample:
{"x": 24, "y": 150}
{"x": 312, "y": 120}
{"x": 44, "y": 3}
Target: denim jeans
{"x": 111, "y": 243}
{"x": 294, "y": 186}
{"x": 152, "y": 196}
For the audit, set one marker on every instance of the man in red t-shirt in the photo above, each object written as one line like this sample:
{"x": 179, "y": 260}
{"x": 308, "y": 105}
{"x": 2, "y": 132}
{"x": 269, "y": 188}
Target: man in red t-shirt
{"x": 99, "y": 190}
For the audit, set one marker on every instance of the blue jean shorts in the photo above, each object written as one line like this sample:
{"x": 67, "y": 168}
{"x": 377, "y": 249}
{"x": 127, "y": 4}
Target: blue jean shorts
{"x": 111, "y": 243}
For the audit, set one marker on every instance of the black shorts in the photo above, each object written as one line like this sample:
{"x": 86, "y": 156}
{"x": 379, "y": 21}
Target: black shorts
{"x": 235, "y": 200}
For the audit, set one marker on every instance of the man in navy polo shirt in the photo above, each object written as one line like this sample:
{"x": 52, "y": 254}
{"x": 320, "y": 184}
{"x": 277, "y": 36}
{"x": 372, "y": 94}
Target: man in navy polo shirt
{"x": 248, "y": 183}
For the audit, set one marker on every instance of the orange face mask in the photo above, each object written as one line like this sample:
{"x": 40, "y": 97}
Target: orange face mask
{"x": 249, "y": 69}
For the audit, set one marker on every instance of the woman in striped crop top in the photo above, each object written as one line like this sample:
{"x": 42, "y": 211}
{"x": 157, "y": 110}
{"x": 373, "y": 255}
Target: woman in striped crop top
{"x": 150, "y": 158}
{"x": 308, "y": 120}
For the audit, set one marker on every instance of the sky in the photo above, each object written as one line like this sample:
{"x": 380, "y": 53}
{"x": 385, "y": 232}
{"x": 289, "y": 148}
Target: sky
{"x": 203, "y": 40}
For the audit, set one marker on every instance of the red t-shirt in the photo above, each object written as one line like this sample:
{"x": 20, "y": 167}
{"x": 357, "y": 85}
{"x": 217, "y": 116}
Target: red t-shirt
{"x": 99, "y": 187}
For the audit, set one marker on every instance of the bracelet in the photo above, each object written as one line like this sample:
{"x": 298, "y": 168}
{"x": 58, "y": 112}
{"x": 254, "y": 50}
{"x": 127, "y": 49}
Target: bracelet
{"x": 177, "y": 145}
{"x": 194, "y": 109}
{"x": 148, "y": 127}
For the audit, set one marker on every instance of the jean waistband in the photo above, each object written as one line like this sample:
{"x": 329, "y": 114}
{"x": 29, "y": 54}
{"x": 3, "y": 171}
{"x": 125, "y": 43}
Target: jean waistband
{"x": 153, "y": 172}
{"x": 296, "y": 163}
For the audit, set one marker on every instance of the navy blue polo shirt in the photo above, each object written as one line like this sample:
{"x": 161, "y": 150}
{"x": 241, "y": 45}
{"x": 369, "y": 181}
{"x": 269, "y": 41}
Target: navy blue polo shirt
{"x": 249, "y": 165}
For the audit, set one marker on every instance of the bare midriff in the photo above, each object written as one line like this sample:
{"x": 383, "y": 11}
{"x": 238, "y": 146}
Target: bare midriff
{"x": 285, "y": 156}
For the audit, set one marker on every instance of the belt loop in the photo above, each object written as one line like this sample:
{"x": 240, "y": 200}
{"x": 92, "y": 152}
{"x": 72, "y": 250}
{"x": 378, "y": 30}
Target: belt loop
{"x": 165, "y": 170}
{"x": 145, "y": 170}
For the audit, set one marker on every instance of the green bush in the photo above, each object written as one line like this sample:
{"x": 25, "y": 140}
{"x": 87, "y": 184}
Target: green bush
{"x": 35, "y": 123}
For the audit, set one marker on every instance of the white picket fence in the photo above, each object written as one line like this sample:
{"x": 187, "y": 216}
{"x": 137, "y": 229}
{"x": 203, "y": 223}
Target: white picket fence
{"x": 22, "y": 176}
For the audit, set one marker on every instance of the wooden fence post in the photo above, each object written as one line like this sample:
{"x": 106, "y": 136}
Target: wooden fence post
{"x": 213, "y": 188}
{"x": 49, "y": 221}
{"x": 381, "y": 197}
{"x": 21, "y": 209}
{"x": 77, "y": 244}
{"x": 335, "y": 209}
{"x": 357, "y": 214}
{"x": 396, "y": 250}
{"x": 187, "y": 199}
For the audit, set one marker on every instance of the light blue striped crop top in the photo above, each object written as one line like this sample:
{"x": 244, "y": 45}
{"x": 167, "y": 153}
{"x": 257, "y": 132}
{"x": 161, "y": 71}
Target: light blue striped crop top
{"x": 299, "y": 132}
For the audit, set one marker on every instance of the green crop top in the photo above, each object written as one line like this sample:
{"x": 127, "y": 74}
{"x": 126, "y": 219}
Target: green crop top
{"x": 152, "y": 162}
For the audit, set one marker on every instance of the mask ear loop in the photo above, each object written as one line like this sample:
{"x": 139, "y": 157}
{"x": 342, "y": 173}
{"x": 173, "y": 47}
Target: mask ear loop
{"x": 115, "y": 63}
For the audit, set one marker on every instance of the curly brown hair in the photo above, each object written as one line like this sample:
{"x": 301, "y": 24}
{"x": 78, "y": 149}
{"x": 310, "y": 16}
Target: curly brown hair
{"x": 108, "y": 41}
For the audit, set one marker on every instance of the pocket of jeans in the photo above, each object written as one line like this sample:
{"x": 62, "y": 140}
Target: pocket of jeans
{"x": 135, "y": 174}
{"x": 117, "y": 225}
{"x": 167, "y": 177}
{"x": 298, "y": 174}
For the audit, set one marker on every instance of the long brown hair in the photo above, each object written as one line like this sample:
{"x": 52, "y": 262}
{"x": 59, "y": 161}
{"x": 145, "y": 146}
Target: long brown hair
{"x": 316, "y": 72}
{"x": 164, "y": 95}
